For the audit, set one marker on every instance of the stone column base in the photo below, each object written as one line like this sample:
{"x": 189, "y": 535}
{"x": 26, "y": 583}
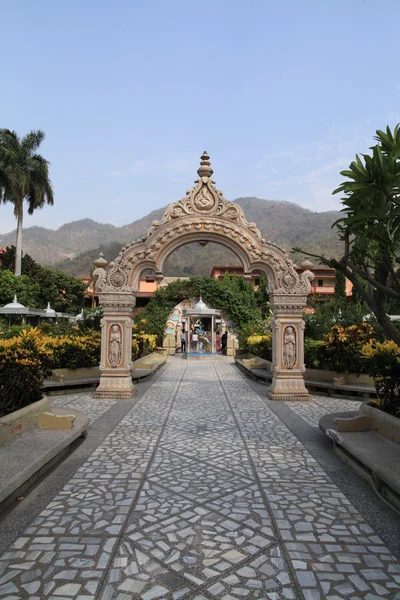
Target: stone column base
{"x": 291, "y": 389}
{"x": 115, "y": 388}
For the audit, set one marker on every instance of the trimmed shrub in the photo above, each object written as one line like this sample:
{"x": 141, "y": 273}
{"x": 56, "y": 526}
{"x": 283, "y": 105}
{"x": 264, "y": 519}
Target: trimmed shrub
{"x": 75, "y": 352}
{"x": 315, "y": 354}
{"x": 343, "y": 345}
{"x": 143, "y": 344}
{"x": 25, "y": 361}
{"x": 382, "y": 363}
{"x": 260, "y": 345}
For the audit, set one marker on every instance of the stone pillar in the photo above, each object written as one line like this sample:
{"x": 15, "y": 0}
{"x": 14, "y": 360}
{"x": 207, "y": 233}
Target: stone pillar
{"x": 288, "y": 348}
{"x": 116, "y": 346}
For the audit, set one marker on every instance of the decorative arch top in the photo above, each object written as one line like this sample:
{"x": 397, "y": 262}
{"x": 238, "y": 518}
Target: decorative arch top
{"x": 205, "y": 200}
{"x": 203, "y": 214}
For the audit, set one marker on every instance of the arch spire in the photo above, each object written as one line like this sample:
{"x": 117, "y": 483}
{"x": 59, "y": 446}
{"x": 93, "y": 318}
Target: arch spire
{"x": 205, "y": 169}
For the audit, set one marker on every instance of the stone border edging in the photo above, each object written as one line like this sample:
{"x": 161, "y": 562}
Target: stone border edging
{"x": 91, "y": 381}
{"x": 20, "y": 420}
{"x": 347, "y": 385}
{"x": 23, "y": 459}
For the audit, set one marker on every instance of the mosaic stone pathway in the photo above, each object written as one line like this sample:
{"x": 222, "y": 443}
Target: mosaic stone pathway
{"x": 312, "y": 411}
{"x": 200, "y": 492}
{"x": 85, "y": 402}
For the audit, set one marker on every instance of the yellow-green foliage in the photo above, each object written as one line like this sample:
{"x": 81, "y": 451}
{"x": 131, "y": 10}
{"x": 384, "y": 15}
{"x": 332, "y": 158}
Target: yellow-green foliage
{"x": 143, "y": 344}
{"x": 260, "y": 345}
{"x": 342, "y": 347}
{"x": 74, "y": 352}
{"x": 29, "y": 357}
{"x": 25, "y": 361}
{"x": 388, "y": 348}
{"x": 382, "y": 361}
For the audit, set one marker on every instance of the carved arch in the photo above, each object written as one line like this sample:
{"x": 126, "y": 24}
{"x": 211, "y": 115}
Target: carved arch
{"x": 204, "y": 214}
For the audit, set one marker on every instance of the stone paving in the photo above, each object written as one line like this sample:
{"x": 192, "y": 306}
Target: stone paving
{"x": 312, "y": 411}
{"x": 200, "y": 492}
{"x": 83, "y": 402}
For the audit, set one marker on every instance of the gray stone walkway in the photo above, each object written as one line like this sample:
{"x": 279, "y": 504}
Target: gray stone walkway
{"x": 311, "y": 412}
{"x": 200, "y": 492}
{"x": 84, "y": 402}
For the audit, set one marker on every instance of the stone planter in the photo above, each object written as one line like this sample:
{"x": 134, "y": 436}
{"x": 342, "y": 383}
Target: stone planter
{"x": 68, "y": 374}
{"x": 20, "y": 420}
{"x": 386, "y": 425}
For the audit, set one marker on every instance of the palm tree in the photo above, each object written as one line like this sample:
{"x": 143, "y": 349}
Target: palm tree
{"x": 24, "y": 175}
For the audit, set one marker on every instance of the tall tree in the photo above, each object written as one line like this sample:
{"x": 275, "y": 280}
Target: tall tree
{"x": 370, "y": 227}
{"x": 64, "y": 292}
{"x": 24, "y": 175}
{"x": 340, "y": 287}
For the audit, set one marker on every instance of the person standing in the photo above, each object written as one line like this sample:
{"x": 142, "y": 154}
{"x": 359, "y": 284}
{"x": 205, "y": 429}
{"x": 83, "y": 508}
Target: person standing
{"x": 224, "y": 342}
{"x": 218, "y": 341}
{"x": 183, "y": 341}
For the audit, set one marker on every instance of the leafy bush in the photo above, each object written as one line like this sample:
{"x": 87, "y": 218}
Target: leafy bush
{"x": 27, "y": 291}
{"x": 332, "y": 312}
{"x": 143, "y": 344}
{"x": 255, "y": 327}
{"x": 29, "y": 357}
{"x": 75, "y": 352}
{"x": 343, "y": 345}
{"x": 63, "y": 327}
{"x": 260, "y": 345}
{"x": 9, "y": 331}
{"x": 382, "y": 363}
{"x": 39, "y": 285}
{"x": 315, "y": 354}
{"x": 25, "y": 361}
{"x": 340, "y": 350}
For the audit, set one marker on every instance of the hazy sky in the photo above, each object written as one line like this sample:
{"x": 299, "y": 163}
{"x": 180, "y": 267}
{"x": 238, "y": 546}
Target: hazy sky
{"x": 129, "y": 93}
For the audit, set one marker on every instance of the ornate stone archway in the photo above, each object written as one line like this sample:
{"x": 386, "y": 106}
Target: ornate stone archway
{"x": 202, "y": 215}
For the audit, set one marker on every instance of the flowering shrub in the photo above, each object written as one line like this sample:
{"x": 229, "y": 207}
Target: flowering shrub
{"x": 75, "y": 351}
{"x": 143, "y": 344}
{"x": 338, "y": 351}
{"x": 382, "y": 363}
{"x": 342, "y": 348}
{"x": 28, "y": 358}
{"x": 25, "y": 361}
{"x": 260, "y": 345}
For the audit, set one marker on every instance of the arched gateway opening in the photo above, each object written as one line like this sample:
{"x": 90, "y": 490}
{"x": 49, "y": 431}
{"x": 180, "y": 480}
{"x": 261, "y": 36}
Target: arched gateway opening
{"x": 203, "y": 215}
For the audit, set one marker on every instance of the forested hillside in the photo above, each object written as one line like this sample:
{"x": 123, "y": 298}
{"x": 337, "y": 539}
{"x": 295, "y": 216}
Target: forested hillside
{"x": 283, "y": 223}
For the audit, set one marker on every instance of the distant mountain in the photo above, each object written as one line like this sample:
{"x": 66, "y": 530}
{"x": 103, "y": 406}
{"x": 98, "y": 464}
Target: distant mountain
{"x": 49, "y": 246}
{"x": 74, "y": 246}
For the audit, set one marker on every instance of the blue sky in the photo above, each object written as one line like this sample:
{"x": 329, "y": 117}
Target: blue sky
{"x": 281, "y": 94}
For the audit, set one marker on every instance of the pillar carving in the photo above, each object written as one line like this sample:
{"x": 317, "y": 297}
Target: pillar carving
{"x": 116, "y": 346}
{"x": 288, "y": 348}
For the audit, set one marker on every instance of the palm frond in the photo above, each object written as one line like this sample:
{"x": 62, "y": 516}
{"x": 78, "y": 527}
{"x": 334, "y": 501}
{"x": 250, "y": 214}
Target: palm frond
{"x": 32, "y": 140}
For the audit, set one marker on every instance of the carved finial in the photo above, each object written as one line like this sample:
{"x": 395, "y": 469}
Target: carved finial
{"x": 101, "y": 261}
{"x": 205, "y": 169}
